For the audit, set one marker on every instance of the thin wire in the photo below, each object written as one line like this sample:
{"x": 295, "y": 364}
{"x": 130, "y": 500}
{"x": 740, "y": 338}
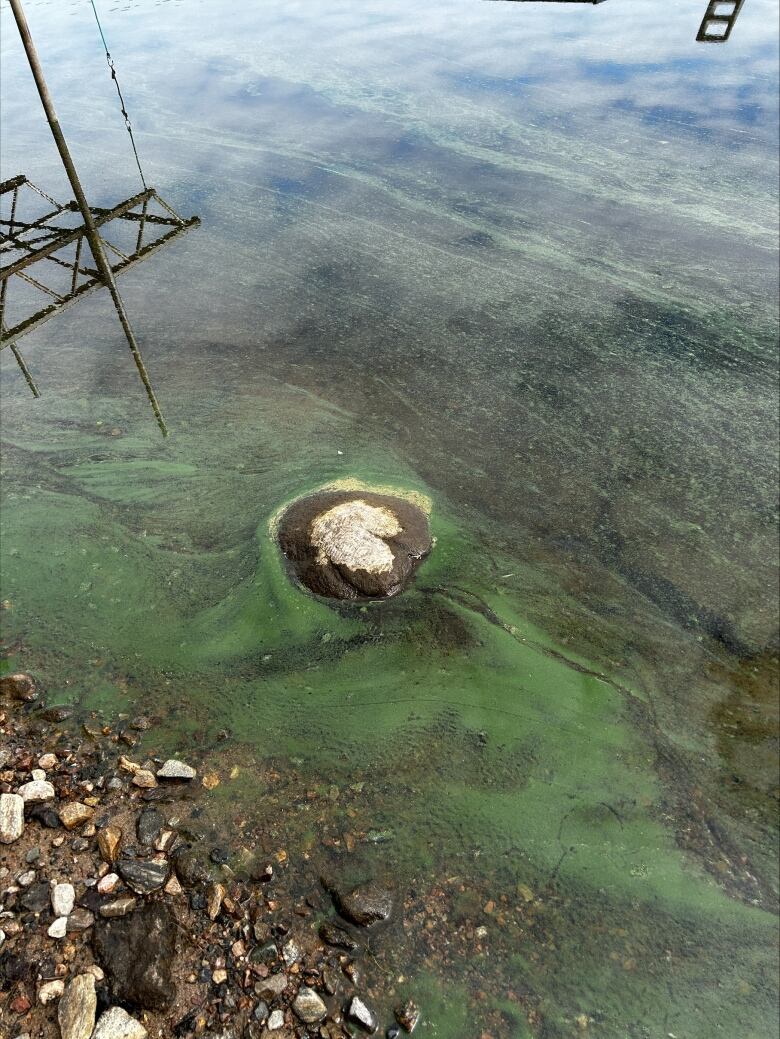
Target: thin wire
{"x": 110, "y": 61}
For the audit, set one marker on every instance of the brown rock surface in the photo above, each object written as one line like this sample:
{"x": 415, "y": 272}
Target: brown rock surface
{"x": 354, "y": 544}
{"x": 76, "y": 1010}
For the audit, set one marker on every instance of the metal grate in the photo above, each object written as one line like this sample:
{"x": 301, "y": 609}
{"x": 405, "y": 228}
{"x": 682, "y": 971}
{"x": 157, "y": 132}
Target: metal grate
{"x": 718, "y": 21}
{"x": 44, "y": 253}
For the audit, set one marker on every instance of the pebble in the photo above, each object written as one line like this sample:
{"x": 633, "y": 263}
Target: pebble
{"x": 63, "y": 898}
{"x": 175, "y": 769}
{"x": 145, "y": 779}
{"x": 361, "y": 1015}
{"x": 116, "y": 1023}
{"x": 291, "y": 952}
{"x": 270, "y": 988}
{"x": 330, "y": 979}
{"x": 215, "y": 893}
{"x": 35, "y": 791}
{"x": 173, "y": 887}
{"x": 275, "y": 1021}
{"x": 334, "y": 935}
{"x": 26, "y": 878}
{"x": 11, "y": 818}
{"x": 76, "y": 1012}
{"x": 148, "y": 826}
{"x": 74, "y": 813}
{"x": 109, "y": 839}
{"x": 47, "y": 761}
{"x": 108, "y": 883}
{"x": 49, "y": 991}
{"x": 80, "y": 919}
{"x": 188, "y": 869}
{"x": 19, "y": 686}
{"x": 166, "y": 841}
{"x": 119, "y": 907}
{"x": 308, "y": 1006}
{"x": 143, "y": 877}
{"x": 366, "y": 904}
{"x": 408, "y": 1016}
{"x": 37, "y": 898}
{"x": 58, "y": 928}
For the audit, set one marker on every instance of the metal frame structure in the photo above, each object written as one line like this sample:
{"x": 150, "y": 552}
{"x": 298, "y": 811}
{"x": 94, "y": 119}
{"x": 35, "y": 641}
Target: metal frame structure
{"x": 718, "y": 21}
{"x": 716, "y": 26}
{"x": 54, "y": 237}
{"x": 559, "y": 1}
{"x": 40, "y": 248}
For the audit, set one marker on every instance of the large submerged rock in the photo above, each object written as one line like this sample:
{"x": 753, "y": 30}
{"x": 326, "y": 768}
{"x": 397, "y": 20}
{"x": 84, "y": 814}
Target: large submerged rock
{"x": 137, "y": 953}
{"x": 354, "y": 544}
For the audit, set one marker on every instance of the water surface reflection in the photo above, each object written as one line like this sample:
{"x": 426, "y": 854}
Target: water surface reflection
{"x": 522, "y": 259}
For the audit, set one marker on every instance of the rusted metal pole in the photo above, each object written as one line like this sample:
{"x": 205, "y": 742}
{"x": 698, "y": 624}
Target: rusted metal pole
{"x": 24, "y": 369}
{"x": 95, "y": 244}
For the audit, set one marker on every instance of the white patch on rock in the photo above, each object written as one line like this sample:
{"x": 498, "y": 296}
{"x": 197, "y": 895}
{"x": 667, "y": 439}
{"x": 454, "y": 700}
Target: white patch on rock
{"x": 308, "y": 1006}
{"x": 50, "y": 990}
{"x": 11, "y": 818}
{"x": 360, "y": 1013}
{"x": 58, "y": 928}
{"x": 36, "y": 790}
{"x": 63, "y": 897}
{"x": 175, "y": 769}
{"x": 116, "y": 1023}
{"x": 351, "y": 535}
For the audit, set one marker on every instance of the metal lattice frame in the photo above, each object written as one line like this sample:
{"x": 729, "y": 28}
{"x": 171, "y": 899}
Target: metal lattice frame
{"x": 718, "y": 21}
{"x": 37, "y": 249}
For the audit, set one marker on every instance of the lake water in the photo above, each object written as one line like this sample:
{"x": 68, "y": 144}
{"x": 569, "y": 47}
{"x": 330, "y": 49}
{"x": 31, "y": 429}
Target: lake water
{"x": 520, "y": 259}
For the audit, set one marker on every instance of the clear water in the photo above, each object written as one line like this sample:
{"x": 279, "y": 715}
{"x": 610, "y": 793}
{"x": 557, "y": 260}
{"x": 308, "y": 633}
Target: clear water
{"x": 519, "y": 258}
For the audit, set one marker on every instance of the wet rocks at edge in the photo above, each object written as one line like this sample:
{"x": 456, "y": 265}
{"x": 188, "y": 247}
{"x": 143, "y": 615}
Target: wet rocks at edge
{"x": 115, "y": 924}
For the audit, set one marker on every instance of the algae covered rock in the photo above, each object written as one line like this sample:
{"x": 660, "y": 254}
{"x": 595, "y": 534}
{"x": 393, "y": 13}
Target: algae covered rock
{"x": 354, "y": 544}
{"x": 19, "y": 686}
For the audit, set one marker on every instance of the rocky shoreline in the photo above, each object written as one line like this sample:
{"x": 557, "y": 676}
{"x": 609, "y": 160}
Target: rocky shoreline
{"x": 119, "y": 921}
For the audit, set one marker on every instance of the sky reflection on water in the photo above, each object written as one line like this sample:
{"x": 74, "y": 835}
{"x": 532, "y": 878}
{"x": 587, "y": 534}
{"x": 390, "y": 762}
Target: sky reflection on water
{"x": 525, "y": 256}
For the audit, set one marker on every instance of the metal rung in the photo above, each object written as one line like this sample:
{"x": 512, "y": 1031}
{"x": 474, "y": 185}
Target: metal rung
{"x": 717, "y": 23}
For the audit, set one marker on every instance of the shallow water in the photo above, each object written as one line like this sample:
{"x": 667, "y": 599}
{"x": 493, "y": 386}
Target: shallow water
{"x": 522, "y": 260}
